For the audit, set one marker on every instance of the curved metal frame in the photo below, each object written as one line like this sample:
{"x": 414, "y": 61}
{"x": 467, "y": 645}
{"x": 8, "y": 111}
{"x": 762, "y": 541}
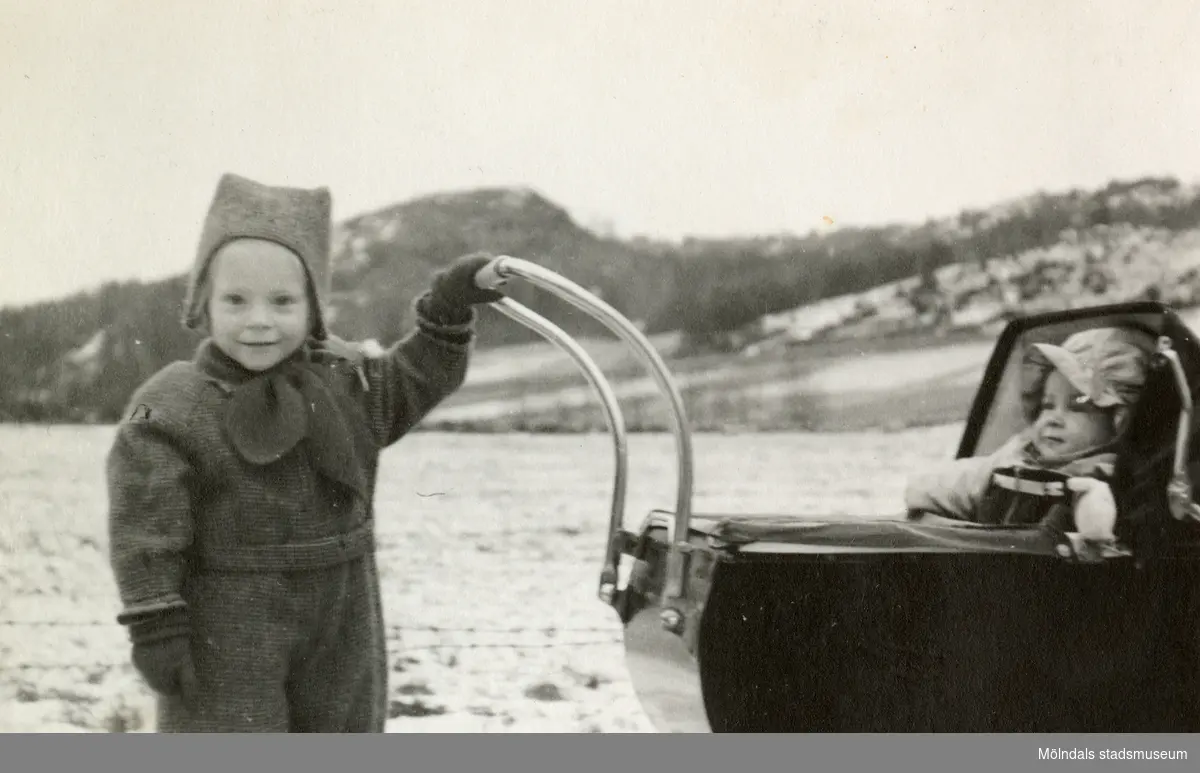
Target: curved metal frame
{"x": 1179, "y": 489}
{"x": 492, "y": 276}
{"x": 612, "y": 414}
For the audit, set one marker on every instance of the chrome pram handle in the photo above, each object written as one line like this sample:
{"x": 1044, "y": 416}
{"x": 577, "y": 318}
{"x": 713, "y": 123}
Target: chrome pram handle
{"x": 1179, "y": 488}
{"x": 492, "y": 277}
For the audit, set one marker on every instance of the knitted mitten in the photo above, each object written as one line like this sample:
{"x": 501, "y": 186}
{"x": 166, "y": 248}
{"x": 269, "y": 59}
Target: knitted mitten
{"x": 455, "y": 285}
{"x": 162, "y": 651}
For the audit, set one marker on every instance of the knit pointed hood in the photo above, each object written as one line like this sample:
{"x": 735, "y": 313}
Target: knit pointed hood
{"x": 300, "y": 219}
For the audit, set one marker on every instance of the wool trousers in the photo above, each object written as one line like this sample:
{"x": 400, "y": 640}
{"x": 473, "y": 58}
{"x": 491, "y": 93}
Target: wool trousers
{"x": 279, "y": 652}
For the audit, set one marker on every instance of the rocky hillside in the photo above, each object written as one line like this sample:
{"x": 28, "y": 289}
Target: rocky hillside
{"x": 1097, "y": 265}
{"x": 77, "y": 359}
{"x": 384, "y": 259}
{"x": 906, "y": 353}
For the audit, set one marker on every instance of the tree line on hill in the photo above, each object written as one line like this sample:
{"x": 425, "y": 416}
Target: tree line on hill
{"x": 703, "y": 288}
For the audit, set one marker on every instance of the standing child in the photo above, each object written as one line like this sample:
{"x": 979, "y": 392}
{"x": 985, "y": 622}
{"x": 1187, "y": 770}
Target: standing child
{"x": 241, "y": 516}
{"x": 1084, "y": 389}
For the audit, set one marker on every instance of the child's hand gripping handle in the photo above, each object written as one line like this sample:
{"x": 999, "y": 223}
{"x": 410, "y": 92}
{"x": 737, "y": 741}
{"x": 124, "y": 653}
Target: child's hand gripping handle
{"x": 457, "y": 285}
{"x": 490, "y": 277}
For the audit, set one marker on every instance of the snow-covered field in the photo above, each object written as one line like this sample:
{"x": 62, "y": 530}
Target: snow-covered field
{"x": 490, "y": 551}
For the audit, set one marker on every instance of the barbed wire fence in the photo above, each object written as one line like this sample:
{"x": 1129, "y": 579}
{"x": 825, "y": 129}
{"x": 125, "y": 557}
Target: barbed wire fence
{"x": 72, "y": 682}
{"x": 460, "y": 632}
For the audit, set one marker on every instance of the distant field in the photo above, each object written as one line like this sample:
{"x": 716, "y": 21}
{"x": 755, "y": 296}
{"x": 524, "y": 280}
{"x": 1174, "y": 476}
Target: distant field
{"x": 828, "y": 386}
{"x": 891, "y": 383}
{"x": 490, "y": 550}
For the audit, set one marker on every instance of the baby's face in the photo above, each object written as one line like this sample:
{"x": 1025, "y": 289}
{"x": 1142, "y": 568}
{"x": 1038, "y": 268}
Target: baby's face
{"x": 258, "y": 302}
{"x": 1067, "y": 424}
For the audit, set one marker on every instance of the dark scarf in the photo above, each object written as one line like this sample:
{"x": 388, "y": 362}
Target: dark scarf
{"x": 272, "y": 412}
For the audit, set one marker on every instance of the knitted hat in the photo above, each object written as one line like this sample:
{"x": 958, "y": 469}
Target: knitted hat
{"x": 1106, "y": 365}
{"x": 297, "y": 218}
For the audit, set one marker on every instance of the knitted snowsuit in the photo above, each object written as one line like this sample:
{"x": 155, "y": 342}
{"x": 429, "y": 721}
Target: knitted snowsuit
{"x": 273, "y": 560}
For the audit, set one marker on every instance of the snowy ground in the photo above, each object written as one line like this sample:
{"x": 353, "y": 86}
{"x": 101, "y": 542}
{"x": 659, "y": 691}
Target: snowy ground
{"x": 490, "y": 550}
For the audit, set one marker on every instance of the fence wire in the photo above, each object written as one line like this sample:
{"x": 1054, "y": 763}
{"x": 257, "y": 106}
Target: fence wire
{"x": 435, "y": 629}
{"x": 401, "y": 649}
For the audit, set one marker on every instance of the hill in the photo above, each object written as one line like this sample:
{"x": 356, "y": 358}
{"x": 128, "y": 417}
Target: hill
{"x": 906, "y": 353}
{"x": 384, "y": 259}
{"x": 744, "y": 321}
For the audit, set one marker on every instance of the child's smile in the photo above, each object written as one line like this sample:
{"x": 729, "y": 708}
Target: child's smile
{"x": 259, "y": 305}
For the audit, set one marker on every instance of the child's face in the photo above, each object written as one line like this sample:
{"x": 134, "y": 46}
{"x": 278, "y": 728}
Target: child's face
{"x": 258, "y": 302}
{"x": 1066, "y": 425}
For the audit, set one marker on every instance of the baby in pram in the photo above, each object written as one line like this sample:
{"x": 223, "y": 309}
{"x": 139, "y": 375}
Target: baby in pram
{"x": 1055, "y": 471}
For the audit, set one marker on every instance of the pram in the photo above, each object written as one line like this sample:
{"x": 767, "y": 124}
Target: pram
{"x": 912, "y": 622}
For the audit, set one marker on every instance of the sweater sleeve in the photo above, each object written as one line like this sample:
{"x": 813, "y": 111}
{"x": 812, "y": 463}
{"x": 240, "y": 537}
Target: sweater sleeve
{"x": 419, "y": 371}
{"x": 954, "y": 488}
{"x": 150, "y": 489}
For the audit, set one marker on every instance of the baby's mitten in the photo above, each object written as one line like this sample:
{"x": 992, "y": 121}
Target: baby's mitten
{"x": 162, "y": 651}
{"x": 455, "y": 285}
{"x": 1095, "y": 509}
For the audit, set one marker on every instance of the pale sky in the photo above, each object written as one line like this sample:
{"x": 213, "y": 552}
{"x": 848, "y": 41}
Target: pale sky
{"x": 662, "y": 118}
